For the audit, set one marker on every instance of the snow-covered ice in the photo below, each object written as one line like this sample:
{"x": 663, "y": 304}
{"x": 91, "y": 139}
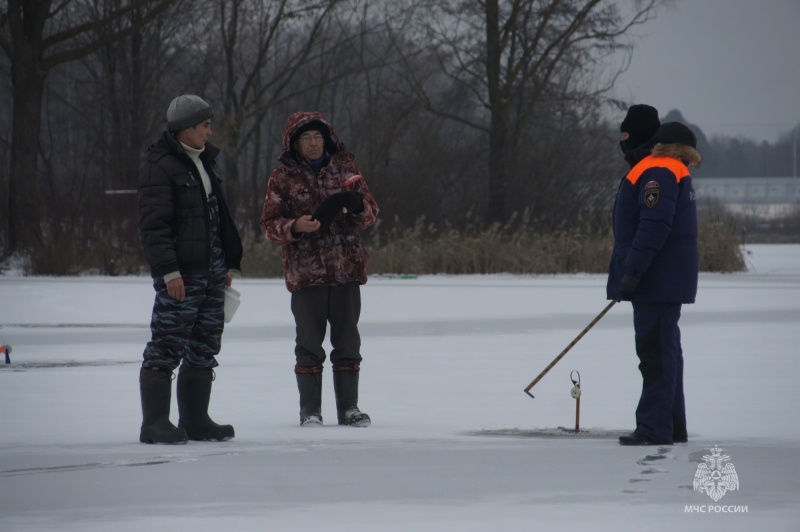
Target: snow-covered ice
{"x": 455, "y": 444}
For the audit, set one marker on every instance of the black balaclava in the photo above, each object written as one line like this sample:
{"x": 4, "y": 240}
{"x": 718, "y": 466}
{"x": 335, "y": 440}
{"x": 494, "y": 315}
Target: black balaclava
{"x": 640, "y": 123}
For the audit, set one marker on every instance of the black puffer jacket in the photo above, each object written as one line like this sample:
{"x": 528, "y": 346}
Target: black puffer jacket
{"x": 173, "y": 211}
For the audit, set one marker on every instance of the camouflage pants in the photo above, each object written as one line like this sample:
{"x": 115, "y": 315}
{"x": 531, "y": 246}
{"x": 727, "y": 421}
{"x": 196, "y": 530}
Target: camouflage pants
{"x": 190, "y": 329}
{"x": 313, "y": 308}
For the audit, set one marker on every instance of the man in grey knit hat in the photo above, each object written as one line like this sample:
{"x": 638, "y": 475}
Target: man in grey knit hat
{"x": 193, "y": 248}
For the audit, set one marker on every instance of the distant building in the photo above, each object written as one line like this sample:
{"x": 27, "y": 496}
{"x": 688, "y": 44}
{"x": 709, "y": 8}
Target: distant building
{"x": 762, "y": 196}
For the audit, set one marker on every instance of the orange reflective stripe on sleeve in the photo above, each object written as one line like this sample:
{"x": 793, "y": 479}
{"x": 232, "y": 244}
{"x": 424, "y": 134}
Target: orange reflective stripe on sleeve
{"x": 675, "y": 166}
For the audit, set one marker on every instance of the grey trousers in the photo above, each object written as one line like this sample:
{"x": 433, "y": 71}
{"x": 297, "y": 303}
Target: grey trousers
{"x": 316, "y": 306}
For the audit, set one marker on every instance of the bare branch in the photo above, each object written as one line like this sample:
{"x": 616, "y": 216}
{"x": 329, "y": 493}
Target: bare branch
{"x": 92, "y": 46}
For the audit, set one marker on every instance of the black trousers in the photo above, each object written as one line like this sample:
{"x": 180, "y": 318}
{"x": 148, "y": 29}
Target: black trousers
{"x": 661, "y": 413}
{"x": 316, "y": 306}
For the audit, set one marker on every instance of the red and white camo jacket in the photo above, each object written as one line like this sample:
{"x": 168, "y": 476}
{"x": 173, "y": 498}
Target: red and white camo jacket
{"x": 333, "y": 255}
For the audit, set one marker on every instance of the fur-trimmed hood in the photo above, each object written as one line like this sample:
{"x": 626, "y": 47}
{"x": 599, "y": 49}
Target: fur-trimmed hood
{"x": 686, "y": 154}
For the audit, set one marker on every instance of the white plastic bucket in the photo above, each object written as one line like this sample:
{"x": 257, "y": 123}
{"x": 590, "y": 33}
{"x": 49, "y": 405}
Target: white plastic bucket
{"x": 231, "y": 302}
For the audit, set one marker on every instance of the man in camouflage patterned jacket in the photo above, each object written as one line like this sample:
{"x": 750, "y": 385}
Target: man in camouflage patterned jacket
{"x": 315, "y": 205}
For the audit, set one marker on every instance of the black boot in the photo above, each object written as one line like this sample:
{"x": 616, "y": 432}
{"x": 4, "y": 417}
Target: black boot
{"x": 194, "y": 393}
{"x": 309, "y": 384}
{"x": 345, "y": 384}
{"x": 155, "y": 388}
{"x": 634, "y": 438}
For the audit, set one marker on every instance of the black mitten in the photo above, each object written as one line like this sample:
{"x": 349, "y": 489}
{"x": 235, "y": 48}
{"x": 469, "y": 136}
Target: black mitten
{"x": 328, "y": 210}
{"x": 627, "y": 286}
{"x": 332, "y": 206}
{"x": 351, "y": 201}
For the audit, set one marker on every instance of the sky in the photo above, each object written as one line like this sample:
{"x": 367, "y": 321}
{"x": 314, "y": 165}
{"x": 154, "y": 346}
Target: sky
{"x": 731, "y": 67}
{"x": 455, "y": 444}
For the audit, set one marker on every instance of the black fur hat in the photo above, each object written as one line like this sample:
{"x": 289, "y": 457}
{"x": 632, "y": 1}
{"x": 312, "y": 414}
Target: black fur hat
{"x": 312, "y": 126}
{"x": 315, "y": 125}
{"x": 675, "y": 133}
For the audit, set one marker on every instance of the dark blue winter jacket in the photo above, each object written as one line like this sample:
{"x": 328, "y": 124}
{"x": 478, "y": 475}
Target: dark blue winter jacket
{"x": 655, "y": 231}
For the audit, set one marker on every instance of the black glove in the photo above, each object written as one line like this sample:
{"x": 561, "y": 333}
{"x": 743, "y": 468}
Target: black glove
{"x": 327, "y": 210}
{"x": 335, "y": 204}
{"x": 351, "y": 201}
{"x": 627, "y": 286}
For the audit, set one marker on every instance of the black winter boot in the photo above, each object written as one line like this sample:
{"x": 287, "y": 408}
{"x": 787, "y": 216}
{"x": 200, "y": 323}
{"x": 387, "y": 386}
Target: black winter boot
{"x": 194, "y": 393}
{"x": 155, "y": 388}
{"x": 345, "y": 384}
{"x": 634, "y": 438}
{"x": 309, "y": 384}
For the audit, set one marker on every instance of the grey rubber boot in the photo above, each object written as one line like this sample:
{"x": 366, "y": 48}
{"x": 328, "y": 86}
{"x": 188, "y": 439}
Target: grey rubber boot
{"x": 194, "y": 394}
{"x": 155, "y": 388}
{"x": 309, "y": 384}
{"x": 345, "y": 384}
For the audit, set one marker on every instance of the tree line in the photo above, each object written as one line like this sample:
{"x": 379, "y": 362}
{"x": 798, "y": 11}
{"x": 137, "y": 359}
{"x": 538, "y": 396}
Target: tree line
{"x": 726, "y": 156}
{"x": 468, "y": 112}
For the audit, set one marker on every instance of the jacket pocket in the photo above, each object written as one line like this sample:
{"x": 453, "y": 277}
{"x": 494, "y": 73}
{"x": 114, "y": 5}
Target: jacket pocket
{"x": 188, "y": 202}
{"x": 185, "y": 180}
{"x": 302, "y": 202}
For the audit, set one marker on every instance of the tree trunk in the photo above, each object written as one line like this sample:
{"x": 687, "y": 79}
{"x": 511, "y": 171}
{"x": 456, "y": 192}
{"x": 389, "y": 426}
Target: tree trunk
{"x": 23, "y": 185}
{"x": 498, "y": 122}
{"x": 231, "y": 152}
{"x": 497, "y": 170}
{"x": 26, "y": 21}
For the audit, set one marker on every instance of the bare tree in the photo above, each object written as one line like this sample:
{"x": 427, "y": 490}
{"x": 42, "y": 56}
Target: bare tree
{"x": 330, "y": 55}
{"x": 514, "y": 58}
{"x": 263, "y": 46}
{"x": 279, "y": 57}
{"x": 103, "y": 111}
{"x": 36, "y": 37}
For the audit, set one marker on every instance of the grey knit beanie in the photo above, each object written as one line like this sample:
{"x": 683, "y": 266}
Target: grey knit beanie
{"x": 186, "y": 111}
